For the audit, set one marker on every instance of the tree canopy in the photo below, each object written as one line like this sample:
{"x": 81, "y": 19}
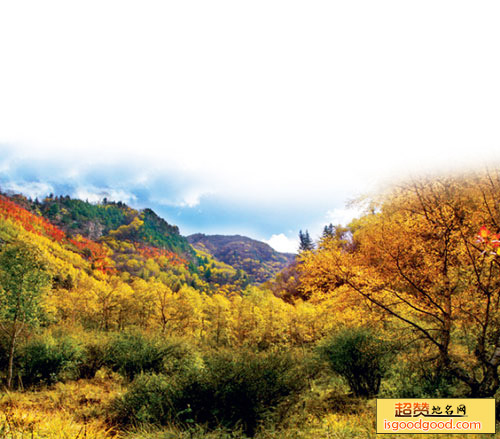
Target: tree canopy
{"x": 418, "y": 260}
{"x": 23, "y": 276}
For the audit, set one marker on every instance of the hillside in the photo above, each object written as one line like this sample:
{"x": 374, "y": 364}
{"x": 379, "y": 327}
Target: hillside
{"x": 134, "y": 236}
{"x": 218, "y": 259}
{"x": 118, "y": 240}
{"x": 96, "y": 220}
{"x": 256, "y": 258}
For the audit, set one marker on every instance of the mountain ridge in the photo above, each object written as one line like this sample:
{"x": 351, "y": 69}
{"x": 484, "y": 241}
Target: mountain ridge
{"x": 256, "y": 258}
{"x": 135, "y": 235}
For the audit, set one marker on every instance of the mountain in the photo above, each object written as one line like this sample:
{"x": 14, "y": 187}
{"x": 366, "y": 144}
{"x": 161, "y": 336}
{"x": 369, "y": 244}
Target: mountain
{"x": 95, "y": 221}
{"x": 259, "y": 260}
{"x": 118, "y": 240}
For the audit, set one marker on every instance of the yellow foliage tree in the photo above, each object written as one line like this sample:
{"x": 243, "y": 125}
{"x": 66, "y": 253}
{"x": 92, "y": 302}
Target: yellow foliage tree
{"x": 416, "y": 259}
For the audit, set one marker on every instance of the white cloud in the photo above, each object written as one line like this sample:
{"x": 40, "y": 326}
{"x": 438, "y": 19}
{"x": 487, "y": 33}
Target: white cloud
{"x": 282, "y": 243}
{"x": 95, "y": 195}
{"x": 343, "y": 215}
{"x": 31, "y": 190}
{"x": 272, "y": 102}
{"x": 192, "y": 198}
{"x": 183, "y": 198}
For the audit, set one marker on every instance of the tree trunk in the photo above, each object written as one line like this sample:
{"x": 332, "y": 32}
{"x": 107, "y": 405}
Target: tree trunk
{"x": 11, "y": 358}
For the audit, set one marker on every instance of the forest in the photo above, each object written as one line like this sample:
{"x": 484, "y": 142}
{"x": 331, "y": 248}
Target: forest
{"x": 112, "y": 325}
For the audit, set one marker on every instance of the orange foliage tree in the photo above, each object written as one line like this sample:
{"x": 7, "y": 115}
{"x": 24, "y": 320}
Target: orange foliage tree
{"x": 416, "y": 258}
{"x": 29, "y": 221}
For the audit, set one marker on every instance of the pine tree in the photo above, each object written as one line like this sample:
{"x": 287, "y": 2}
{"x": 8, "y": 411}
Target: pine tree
{"x": 306, "y": 243}
{"x": 328, "y": 231}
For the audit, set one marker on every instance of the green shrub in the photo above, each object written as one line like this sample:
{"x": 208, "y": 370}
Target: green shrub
{"x": 358, "y": 356}
{"x": 179, "y": 356}
{"x": 94, "y": 356}
{"x": 150, "y": 399}
{"x": 412, "y": 379}
{"x": 46, "y": 360}
{"x": 132, "y": 353}
{"x": 230, "y": 390}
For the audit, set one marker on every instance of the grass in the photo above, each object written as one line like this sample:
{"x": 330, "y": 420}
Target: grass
{"x": 78, "y": 410}
{"x": 70, "y": 410}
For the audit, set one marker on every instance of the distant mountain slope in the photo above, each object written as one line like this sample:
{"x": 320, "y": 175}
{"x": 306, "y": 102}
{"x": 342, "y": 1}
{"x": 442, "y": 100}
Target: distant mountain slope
{"x": 120, "y": 239}
{"x": 111, "y": 242}
{"x": 97, "y": 220}
{"x": 256, "y": 258}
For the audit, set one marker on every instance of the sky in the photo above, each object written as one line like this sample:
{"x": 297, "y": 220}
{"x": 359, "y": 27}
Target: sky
{"x": 259, "y": 118}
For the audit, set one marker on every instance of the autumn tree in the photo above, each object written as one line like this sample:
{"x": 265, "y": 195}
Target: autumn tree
{"x": 416, "y": 258}
{"x": 339, "y": 234}
{"x": 23, "y": 277}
